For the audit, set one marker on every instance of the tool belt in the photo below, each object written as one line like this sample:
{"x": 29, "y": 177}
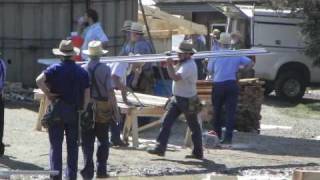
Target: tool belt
{"x": 102, "y": 111}
{"x": 194, "y": 104}
{"x": 187, "y": 105}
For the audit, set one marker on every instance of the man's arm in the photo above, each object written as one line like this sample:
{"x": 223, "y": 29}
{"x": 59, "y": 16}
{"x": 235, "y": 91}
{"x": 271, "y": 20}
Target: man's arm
{"x": 114, "y": 105}
{"x": 118, "y": 84}
{"x": 172, "y": 74}
{"x": 86, "y": 98}
{"x": 41, "y": 82}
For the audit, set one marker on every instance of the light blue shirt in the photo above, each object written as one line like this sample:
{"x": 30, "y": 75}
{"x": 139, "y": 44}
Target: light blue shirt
{"x": 93, "y": 33}
{"x": 226, "y": 68}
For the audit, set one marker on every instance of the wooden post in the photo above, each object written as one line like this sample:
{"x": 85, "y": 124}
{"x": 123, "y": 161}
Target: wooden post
{"x": 306, "y": 175}
{"x": 127, "y": 127}
{"x": 134, "y": 131}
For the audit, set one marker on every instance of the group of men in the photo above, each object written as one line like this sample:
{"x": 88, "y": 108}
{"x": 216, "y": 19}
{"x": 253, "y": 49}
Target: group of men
{"x": 73, "y": 89}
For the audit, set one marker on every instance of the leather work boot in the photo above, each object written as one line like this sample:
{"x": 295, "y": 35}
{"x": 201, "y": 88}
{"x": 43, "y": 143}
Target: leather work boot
{"x": 194, "y": 156}
{"x": 156, "y": 151}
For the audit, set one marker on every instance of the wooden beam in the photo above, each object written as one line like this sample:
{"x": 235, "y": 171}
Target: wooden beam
{"x": 306, "y": 175}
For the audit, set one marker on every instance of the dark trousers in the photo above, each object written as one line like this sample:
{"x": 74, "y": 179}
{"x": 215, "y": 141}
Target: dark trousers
{"x": 88, "y": 138}
{"x": 1, "y": 118}
{"x": 175, "y": 108}
{"x": 225, "y": 93}
{"x": 1, "y": 124}
{"x": 56, "y": 134}
{"x": 115, "y": 128}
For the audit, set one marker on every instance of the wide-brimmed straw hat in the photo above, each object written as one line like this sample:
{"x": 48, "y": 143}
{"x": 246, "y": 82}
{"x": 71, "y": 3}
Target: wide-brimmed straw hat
{"x": 137, "y": 28}
{"x": 214, "y": 32}
{"x": 95, "y": 49}
{"x": 65, "y": 49}
{"x": 126, "y": 25}
{"x": 186, "y": 47}
{"x": 225, "y": 38}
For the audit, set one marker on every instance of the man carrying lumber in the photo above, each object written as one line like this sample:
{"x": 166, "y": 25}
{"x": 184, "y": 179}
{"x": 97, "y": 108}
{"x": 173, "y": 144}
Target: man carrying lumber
{"x": 225, "y": 89}
{"x": 65, "y": 84}
{"x": 184, "y": 101}
{"x": 104, "y": 106}
{"x": 142, "y": 79}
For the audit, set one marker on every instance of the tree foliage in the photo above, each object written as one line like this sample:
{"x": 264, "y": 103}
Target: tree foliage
{"x": 310, "y": 26}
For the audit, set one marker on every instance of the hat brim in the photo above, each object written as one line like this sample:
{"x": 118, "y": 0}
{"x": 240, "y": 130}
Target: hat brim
{"x": 125, "y": 28}
{"x": 224, "y": 43}
{"x": 58, "y": 52}
{"x": 135, "y": 31}
{"x": 184, "y": 51}
{"x": 102, "y": 52}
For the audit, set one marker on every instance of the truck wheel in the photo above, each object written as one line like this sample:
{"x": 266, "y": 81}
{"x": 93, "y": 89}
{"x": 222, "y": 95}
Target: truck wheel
{"x": 290, "y": 86}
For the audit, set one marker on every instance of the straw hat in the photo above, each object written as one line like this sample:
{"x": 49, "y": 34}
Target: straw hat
{"x": 137, "y": 28}
{"x": 214, "y": 32}
{"x": 65, "y": 49}
{"x": 126, "y": 25}
{"x": 225, "y": 38}
{"x": 186, "y": 47}
{"x": 95, "y": 49}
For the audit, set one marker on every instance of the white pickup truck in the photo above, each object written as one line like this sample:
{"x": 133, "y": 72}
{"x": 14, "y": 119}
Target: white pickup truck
{"x": 287, "y": 70}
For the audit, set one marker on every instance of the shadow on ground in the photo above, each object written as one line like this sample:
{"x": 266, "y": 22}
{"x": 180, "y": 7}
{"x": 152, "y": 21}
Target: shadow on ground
{"x": 10, "y": 163}
{"x": 21, "y": 105}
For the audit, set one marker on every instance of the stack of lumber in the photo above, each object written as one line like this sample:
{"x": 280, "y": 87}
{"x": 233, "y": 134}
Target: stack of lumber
{"x": 249, "y": 104}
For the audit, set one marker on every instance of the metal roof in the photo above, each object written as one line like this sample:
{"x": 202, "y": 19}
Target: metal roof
{"x": 206, "y": 1}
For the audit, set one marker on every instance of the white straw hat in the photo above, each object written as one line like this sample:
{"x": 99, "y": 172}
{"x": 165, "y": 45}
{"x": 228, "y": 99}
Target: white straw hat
{"x": 95, "y": 49}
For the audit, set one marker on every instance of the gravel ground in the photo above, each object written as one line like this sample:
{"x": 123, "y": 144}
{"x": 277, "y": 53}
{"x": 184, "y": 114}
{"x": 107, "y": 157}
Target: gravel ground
{"x": 289, "y": 140}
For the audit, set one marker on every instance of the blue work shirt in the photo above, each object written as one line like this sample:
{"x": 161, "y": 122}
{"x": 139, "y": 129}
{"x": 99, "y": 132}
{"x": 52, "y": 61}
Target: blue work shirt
{"x": 3, "y": 70}
{"x": 215, "y": 46}
{"x": 68, "y": 80}
{"x": 226, "y": 68}
{"x": 93, "y": 33}
{"x": 142, "y": 46}
{"x": 126, "y": 49}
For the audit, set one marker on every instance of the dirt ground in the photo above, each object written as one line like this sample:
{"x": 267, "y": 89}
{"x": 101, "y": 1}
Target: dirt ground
{"x": 289, "y": 140}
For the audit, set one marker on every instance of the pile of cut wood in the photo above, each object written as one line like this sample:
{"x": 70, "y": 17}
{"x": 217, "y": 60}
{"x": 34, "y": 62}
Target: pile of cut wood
{"x": 249, "y": 105}
{"x": 15, "y": 92}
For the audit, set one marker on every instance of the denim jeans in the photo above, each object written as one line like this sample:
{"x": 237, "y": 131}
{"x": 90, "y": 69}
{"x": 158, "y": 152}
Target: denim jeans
{"x": 225, "y": 93}
{"x": 175, "y": 108}
{"x": 69, "y": 126}
{"x": 88, "y": 138}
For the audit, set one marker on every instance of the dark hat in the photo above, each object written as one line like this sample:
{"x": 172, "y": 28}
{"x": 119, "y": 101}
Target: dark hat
{"x": 186, "y": 47}
{"x": 66, "y": 49}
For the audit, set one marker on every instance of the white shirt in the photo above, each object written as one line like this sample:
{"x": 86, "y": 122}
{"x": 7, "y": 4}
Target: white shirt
{"x": 186, "y": 87}
{"x": 119, "y": 69}
{"x": 94, "y": 32}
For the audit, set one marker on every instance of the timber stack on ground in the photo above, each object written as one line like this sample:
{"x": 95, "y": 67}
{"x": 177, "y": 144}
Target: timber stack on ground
{"x": 249, "y": 105}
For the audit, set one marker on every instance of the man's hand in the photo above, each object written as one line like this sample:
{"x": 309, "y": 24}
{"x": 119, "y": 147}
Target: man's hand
{"x": 51, "y": 96}
{"x": 170, "y": 61}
